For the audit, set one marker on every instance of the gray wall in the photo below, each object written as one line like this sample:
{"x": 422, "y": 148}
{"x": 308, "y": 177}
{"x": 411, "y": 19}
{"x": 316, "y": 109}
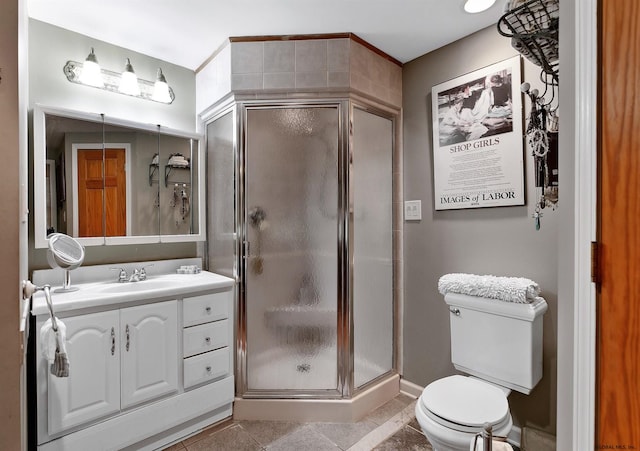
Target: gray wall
{"x": 499, "y": 241}
{"x": 50, "y": 47}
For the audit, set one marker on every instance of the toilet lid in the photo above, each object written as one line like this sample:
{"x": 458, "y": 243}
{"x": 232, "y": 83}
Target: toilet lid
{"x": 465, "y": 401}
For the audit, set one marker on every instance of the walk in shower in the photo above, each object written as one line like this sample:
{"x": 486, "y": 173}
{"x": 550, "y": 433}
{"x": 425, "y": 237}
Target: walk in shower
{"x": 301, "y": 212}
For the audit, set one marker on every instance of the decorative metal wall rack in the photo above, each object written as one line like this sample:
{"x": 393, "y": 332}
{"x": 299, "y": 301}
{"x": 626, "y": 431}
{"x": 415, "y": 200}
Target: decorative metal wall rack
{"x": 533, "y": 27}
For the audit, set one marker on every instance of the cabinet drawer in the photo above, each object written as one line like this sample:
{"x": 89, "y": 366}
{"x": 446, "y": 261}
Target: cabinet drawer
{"x": 206, "y": 308}
{"x": 206, "y": 367}
{"x": 205, "y": 337}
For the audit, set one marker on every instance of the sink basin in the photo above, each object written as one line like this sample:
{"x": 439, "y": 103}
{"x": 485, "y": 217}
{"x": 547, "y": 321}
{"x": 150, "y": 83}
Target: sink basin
{"x": 128, "y": 287}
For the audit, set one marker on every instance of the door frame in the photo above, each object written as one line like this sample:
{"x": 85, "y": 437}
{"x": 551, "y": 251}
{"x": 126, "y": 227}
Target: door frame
{"x": 585, "y": 95}
{"x": 74, "y": 178}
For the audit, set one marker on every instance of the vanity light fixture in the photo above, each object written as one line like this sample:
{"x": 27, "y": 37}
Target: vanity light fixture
{"x": 89, "y": 73}
{"x": 477, "y": 6}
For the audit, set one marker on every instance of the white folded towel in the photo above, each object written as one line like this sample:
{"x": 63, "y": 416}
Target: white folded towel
{"x": 48, "y": 342}
{"x": 509, "y": 289}
{"x": 178, "y": 160}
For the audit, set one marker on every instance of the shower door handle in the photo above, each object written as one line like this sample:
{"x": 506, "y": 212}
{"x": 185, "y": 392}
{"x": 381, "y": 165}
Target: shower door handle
{"x": 247, "y": 249}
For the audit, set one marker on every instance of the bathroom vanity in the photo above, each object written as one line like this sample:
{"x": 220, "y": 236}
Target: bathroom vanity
{"x": 150, "y": 361}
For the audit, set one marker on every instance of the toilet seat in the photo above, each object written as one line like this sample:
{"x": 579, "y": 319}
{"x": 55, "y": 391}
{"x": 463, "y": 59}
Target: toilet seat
{"x": 465, "y": 404}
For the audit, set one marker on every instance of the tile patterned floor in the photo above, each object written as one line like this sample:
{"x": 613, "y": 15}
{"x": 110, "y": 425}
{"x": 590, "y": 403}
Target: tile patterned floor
{"x": 388, "y": 428}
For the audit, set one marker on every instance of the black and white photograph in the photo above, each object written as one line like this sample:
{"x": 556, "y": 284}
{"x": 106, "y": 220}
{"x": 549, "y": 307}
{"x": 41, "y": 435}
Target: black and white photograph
{"x": 479, "y": 108}
{"x": 477, "y": 138}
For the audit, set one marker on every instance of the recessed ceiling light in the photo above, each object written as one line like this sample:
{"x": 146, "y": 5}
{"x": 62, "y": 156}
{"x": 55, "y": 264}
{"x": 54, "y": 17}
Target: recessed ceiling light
{"x": 477, "y": 6}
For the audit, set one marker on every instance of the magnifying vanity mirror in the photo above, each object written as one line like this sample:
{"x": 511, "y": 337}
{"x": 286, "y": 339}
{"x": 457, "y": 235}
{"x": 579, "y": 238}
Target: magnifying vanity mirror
{"x": 103, "y": 180}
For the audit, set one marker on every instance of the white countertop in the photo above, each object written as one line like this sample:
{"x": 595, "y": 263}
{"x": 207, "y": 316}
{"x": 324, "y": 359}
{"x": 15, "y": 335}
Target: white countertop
{"x": 105, "y": 293}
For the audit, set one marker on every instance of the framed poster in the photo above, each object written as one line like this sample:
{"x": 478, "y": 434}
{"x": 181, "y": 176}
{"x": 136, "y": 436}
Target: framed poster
{"x": 477, "y": 139}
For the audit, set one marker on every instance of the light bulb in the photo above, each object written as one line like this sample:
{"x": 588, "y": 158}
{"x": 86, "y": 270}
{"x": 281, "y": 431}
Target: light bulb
{"x": 477, "y": 6}
{"x": 129, "y": 81}
{"x": 161, "y": 89}
{"x": 91, "y": 74}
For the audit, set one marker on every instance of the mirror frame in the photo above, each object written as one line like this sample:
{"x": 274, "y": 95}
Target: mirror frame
{"x": 40, "y": 188}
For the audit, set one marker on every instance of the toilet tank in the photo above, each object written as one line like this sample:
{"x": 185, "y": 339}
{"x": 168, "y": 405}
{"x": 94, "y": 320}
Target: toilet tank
{"x": 498, "y": 341}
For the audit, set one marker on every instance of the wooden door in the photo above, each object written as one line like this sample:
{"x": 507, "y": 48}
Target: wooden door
{"x": 92, "y": 390}
{"x": 92, "y": 191}
{"x": 618, "y": 316}
{"x": 149, "y": 352}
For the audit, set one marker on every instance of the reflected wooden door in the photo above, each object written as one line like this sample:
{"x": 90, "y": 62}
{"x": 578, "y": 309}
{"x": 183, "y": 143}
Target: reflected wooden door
{"x": 618, "y": 316}
{"x": 115, "y": 194}
{"x": 92, "y": 190}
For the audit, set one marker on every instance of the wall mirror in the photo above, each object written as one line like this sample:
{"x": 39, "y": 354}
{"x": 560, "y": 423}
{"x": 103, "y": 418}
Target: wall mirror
{"x": 109, "y": 181}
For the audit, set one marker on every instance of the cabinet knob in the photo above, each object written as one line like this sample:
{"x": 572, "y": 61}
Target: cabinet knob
{"x": 208, "y": 310}
{"x": 207, "y": 340}
{"x": 208, "y": 368}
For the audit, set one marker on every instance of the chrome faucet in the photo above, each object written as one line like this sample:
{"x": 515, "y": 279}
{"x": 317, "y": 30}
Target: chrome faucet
{"x": 122, "y": 275}
{"x": 142, "y": 274}
{"x": 137, "y": 275}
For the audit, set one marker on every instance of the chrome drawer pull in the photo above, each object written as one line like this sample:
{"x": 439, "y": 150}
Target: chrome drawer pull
{"x": 128, "y": 337}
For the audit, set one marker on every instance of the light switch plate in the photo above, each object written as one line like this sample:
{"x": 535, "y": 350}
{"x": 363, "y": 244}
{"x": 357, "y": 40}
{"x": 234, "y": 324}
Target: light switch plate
{"x": 412, "y": 210}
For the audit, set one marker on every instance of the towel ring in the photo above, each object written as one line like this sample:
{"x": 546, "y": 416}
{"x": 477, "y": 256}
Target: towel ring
{"x": 47, "y": 296}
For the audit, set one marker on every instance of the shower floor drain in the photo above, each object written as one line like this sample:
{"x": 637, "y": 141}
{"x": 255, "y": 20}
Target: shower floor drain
{"x": 304, "y": 367}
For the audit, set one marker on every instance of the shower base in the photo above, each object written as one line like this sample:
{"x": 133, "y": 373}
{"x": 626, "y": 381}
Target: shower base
{"x": 326, "y": 410}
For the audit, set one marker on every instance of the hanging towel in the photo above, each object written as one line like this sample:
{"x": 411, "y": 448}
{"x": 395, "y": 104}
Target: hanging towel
{"x": 509, "y": 289}
{"x": 48, "y": 340}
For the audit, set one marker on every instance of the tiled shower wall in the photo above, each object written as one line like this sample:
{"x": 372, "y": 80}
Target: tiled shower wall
{"x": 290, "y": 67}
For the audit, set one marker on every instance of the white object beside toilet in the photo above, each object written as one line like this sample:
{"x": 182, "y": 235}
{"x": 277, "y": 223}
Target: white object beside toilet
{"x": 499, "y": 345}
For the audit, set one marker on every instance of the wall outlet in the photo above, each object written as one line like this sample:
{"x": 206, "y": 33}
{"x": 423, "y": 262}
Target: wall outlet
{"x": 412, "y": 210}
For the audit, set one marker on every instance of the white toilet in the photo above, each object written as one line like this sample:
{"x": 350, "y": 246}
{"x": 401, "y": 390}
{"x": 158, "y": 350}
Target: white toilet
{"x": 499, "y": 345}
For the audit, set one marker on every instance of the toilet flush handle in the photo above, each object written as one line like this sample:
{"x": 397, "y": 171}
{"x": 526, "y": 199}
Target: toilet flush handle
{"x": 455, "y": 311}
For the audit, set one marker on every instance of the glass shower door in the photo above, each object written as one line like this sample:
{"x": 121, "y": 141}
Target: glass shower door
{"x": 372, "y": 200}
{"x": 291, "y": 249}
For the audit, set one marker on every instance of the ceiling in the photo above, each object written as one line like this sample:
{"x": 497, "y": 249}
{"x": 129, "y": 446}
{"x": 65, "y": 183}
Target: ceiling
{"x": 187, "y": 32}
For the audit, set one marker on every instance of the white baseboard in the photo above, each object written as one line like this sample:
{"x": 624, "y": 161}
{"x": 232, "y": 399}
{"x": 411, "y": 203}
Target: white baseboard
{"x": 410, "y": 389}
{"x": 515, "y": 436}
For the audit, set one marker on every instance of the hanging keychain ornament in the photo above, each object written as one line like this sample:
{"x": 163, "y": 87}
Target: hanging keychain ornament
{"x": 537, "y": 214}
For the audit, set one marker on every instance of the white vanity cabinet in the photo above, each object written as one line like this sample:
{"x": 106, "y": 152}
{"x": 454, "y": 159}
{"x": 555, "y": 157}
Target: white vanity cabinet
{"x": 119, "y": 358}
{"x": 92, "y": 389}
{"x": 149, "y": 350}
{"x": 206, "y": 338}
{"x": 146, "y": 368}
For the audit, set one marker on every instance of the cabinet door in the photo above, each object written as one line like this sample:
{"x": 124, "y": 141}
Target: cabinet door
{"x": 92, "y": 389}
{"x": 149, "y": 352}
